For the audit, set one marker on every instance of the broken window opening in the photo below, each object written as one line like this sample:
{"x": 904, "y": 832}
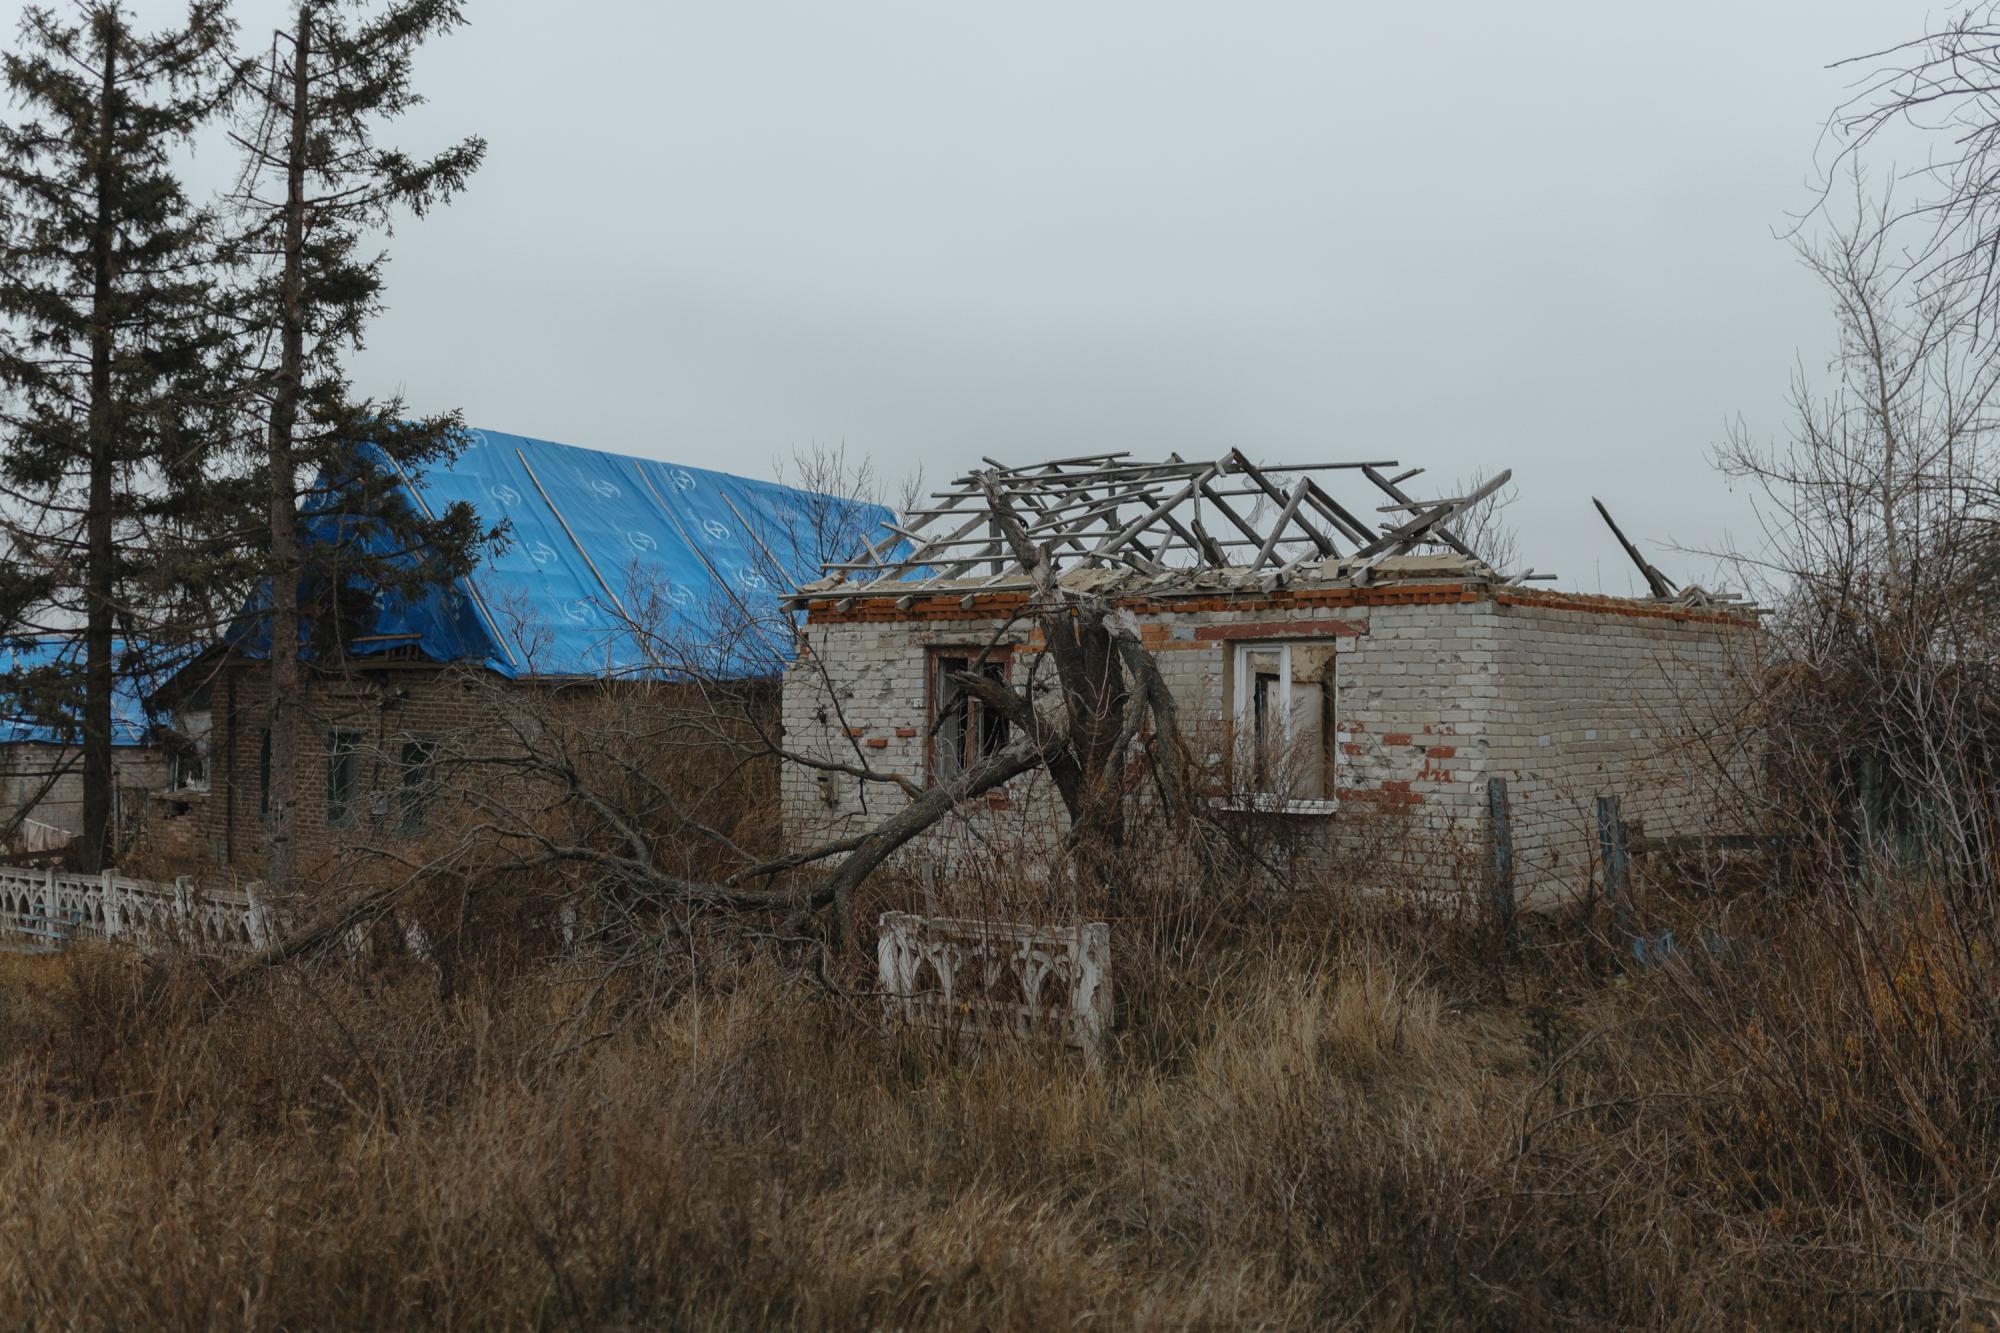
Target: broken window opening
{"x": 1284, "y": 718}
{"x": 419, "y": 785}
{"x": 963, "y": 730}
{"x": 187, "y": 760}
{"x": 343, "y": 777}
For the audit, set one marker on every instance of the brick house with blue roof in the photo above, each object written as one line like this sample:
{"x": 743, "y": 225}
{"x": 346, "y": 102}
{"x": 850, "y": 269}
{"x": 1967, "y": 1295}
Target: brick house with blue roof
{"x": 613, "y": 568}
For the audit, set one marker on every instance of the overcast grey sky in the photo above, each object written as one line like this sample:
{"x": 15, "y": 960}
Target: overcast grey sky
{"x": 1460, "y": 234}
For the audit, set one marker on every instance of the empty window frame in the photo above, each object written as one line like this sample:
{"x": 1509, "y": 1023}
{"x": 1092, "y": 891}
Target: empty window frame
{"x": 418, "y": 785}
{"x": 187, "y": 763}
{"x": 1284, "y": 712}
{"x": 343, "y": 777}
{"x": 963, "y": 730}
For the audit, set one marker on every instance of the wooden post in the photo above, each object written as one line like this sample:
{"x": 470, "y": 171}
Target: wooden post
{"x": 1616, "y": 860}
{"x": 1500, "y": 829}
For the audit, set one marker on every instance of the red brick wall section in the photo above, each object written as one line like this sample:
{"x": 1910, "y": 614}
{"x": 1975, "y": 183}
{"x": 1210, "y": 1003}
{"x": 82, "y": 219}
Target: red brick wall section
{"x": 383, "y": 707}
{"x": 946, "y": 606}
{"x": 470, "y": 713}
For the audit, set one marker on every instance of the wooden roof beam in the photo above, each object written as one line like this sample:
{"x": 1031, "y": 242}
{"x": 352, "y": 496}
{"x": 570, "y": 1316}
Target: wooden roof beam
{"x": 1395, "y": 492}
{"x": 1288, "y": 504}
{"x": 1400, "y": 539}
{"x": 1285, "y": 517}
{"x": 1334, "y": 512}
{"x": 1227, "y": 511}
{"x": 1658, "y": 583}
{"x": 1137, "y": 525}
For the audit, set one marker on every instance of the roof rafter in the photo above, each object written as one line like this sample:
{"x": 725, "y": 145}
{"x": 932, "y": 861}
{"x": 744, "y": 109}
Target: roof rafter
{"x": 1108, "y": 509}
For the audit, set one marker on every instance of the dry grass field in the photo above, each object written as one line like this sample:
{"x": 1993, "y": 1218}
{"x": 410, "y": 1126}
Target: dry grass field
{"x": 1310, "y": 1120}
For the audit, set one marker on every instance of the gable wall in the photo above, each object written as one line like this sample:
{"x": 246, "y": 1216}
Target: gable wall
{"x": 1599, "y": 701}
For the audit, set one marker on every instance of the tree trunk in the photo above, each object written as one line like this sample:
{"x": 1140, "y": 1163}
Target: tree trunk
{"x": 281, "y": 838}
{"x": 94, "y": 853}
{"x": 1090, "y": 777}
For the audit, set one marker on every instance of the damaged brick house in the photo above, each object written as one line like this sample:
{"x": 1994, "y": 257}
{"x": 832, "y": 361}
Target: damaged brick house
{"x": 1329, "y": 663}
{"x": 607, "y": 558}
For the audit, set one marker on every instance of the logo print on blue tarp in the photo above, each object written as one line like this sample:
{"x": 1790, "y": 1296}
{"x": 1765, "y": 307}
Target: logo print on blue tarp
{"x": 505, "y": 494}
{"x": 716, "y": 531}
{"x": 642, "y": 541}
{"x": 683, "y": 479}
{"x": 603, "y": 489}
{"x": 541, "y": 553}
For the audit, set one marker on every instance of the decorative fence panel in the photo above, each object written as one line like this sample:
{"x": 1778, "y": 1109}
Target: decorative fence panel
{"x": 40, "y": 909}
{"x": 990, "y": 977}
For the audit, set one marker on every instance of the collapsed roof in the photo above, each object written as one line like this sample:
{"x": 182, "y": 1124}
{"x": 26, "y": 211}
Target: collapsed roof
{"x": 1171, "y": 521}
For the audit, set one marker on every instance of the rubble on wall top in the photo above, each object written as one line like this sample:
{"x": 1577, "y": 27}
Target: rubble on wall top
{"x": 1120, "y": 579}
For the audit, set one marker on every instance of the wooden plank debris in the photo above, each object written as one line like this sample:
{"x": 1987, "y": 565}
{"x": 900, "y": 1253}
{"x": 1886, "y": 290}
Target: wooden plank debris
{"x": 1660, "y": 585}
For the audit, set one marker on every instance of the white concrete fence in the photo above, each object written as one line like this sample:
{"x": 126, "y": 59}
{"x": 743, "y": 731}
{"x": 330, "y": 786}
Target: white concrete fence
{"x": 44, "y": 910}
{"x": 988, "y": 977}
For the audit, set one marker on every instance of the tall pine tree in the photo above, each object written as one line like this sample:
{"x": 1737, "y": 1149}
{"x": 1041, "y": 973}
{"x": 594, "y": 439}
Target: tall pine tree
{"x": 114, "y": 363}
{"x": 316, "y": 187}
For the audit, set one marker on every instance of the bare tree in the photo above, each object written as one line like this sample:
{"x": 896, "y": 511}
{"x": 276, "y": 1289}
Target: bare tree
{"x": 654, "y": 797}
{"x": 1946, "y": 85}
{"x": 1880, "y": 563}
{"x": 1485, "y": 527}
{"x": 568, "y": 781}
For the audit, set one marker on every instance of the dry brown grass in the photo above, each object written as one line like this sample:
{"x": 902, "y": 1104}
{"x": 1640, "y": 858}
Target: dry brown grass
{"x": 30, "y": 972}
{"x": 1330, "y": 1127}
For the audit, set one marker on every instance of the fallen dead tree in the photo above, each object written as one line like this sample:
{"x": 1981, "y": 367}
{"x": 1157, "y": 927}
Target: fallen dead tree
{"x": 541, "y": 790}
{"x": 643, "y": 798}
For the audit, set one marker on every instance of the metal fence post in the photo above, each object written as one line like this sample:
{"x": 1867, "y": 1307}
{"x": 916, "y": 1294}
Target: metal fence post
{"x": 1616, "y": 861}
{"x": 1500, "y": 828}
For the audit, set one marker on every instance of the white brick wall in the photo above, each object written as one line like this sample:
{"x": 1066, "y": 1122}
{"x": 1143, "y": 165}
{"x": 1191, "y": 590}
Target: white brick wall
{"x": 1432, "y": 699}
{"x": 1600, "y": 704}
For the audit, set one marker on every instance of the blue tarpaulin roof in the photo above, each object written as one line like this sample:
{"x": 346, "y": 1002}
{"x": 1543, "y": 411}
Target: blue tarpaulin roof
{"x": 130, "y": 722}
{"x": 596, "y": 542}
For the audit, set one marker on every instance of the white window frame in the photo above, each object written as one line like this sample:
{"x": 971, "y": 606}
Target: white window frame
{"x": 1244, "y": 710}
